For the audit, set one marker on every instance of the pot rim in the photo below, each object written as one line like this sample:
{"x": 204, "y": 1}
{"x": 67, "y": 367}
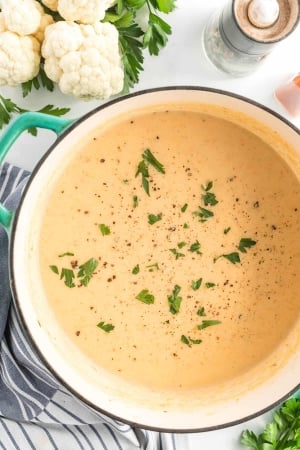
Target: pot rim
{"x": 17, "y": 301}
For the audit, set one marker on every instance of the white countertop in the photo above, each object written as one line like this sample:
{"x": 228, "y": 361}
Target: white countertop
{"x": 182, "y": 62}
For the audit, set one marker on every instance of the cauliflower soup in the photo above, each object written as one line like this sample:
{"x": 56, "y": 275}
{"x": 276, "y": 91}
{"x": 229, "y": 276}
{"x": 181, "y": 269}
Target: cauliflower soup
{"x": 169, "y": 247}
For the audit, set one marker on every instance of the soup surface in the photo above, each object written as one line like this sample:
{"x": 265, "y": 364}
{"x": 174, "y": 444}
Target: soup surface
{"x": 169, "y": 248}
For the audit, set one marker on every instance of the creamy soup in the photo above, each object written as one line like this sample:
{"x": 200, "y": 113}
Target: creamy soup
{"x": 170, "y": 248}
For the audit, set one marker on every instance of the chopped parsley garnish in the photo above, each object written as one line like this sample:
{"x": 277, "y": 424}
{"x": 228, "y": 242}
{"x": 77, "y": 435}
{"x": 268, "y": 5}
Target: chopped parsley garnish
{"x": 233, "y": 257}
{"x": 152, "y": 218}
{"x": 208, "y": 187}
{"x": 143, "y": 168}
{"x": 153, "y": 267}
{"x": 86, "y": 271}
{"x": 66, "y": 254}
{"x": 150, "y": 158}
{"x": 136, "y": 269}
{"x": 105, "y": 230}
{"x": 135, "y": 201}
{"x": 176, "y": 253}
{"x": 203, "y": 214}
{"x": 209, "y": 285}
{"x": 246, "y": 243}
{"x": 175, "y": 300}
{"x": 209, "y": 199}
{"x": 201, "y": 312}
{"x": 189, "y": 341}
{"x": 54, "y": 269}
{"x": 145, "y": 297}
{"x": 68, "y": 276}
{"x": 196, "y": 284}
{"x": 184, "y": 207}
{"x": 181, "y": 244}
{"x": 226, "y": 230}
{"x": 107, "y": 327}
{"x": 195, "y": 248}
{"x": 186, "y": 225}
{"x": 208, "y": 323}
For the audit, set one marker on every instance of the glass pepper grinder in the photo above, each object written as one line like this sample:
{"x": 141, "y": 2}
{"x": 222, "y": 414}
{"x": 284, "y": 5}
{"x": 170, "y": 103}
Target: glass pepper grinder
{"x": 240, "y": 36}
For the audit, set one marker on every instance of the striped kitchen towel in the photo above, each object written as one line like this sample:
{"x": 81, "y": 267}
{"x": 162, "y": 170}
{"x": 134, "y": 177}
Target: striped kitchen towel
{"x": 36, "y": 412}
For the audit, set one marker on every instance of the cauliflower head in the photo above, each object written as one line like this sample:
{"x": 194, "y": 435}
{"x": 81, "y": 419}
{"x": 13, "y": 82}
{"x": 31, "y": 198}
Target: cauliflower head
{"x": 22, "y": 16}
{"x": 82, "y": 11}
{"x": 84, "y": 60}
{"x": 19, "y": 58}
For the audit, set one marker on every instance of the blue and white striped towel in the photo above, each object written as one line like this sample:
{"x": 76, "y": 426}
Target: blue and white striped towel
{"x": 36, "y": 412}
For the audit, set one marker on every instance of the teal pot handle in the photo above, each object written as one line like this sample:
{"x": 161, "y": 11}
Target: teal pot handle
{"x": 13, "y": 131}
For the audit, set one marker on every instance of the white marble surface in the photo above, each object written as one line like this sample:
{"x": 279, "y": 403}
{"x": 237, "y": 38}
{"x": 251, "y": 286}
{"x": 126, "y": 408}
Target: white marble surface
{"x": 182, "y": 62}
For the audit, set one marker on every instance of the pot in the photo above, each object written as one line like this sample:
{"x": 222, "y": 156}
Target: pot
{"x": 231, "y": 402}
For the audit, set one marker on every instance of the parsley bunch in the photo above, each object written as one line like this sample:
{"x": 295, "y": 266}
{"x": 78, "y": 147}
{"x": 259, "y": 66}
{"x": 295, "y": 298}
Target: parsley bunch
{"x": 283, "y": 433}
{"x": 133, "y": 40}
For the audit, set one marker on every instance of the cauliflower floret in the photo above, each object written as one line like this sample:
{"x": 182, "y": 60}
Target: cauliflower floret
{"x": 19, "y": 58}
{"x": 84, "y": 59}
{"x": 82, "y": 11}
{"x": 22, "y": 16}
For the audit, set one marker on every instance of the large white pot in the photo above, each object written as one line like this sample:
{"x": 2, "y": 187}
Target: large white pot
{"x": 227, "y": 404}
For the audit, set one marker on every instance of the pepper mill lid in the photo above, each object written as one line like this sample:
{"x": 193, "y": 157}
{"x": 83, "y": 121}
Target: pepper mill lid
{"x": 263, "y": 13}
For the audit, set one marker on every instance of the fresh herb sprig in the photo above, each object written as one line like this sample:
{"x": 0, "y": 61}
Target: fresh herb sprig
{"x": 133, "y": 39}
{"x": 8, "y": 109}
{"x": 283, "y": 433}
{"x": 148, "y": 159}
{"x": 175, "y": 300}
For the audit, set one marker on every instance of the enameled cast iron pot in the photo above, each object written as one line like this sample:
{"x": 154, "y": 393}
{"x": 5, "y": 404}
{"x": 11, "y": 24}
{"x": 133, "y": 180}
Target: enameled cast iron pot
{"x": 226, "y": 406}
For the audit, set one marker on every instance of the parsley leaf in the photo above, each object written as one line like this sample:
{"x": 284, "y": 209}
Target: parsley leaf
{"x": 203, "y": 214}
{"x": 189, "y": 341}
{"x": 195, "y": 248}
{"x": 201, "y": 312}
{"x": 41, "y": 80}
{"x": 283, "y": 433}
{"x": 208, "y": 323}
{"x": 107, "y": 327}
{"x": 143, "y": 170}
{"x": 136, "y": 269}
{"x": 209, "y": 285}
{"x": 66, "y": 254}
{"x": 156, "y": 35}
{"x": 152, "y": 218}
{"x": 68, "y": 276}
{"x": 175, "y": 300}
{"x": 135, "y": 201}
{"x": 54, "y": 269}
{"x": 150, "y": 159}
{"x": 86, "y": 271}
{"x": 131, "y": 51}
{"x": 196, "y": 284}
{"x": 152, "y": 267}
{"x": 145, "y": 297}
{"x": 184, "y": 207}
{"x": 208, "y": 187}
{"x": 176, "y": 253}
{"x": 105, "y": 230}
{"x": 8, "y": 108}
{"x": 233, "y": 257}
{"x": 246, "y": 243}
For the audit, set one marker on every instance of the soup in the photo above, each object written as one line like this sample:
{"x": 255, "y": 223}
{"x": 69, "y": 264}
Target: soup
{"x": 169, "y": 249}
